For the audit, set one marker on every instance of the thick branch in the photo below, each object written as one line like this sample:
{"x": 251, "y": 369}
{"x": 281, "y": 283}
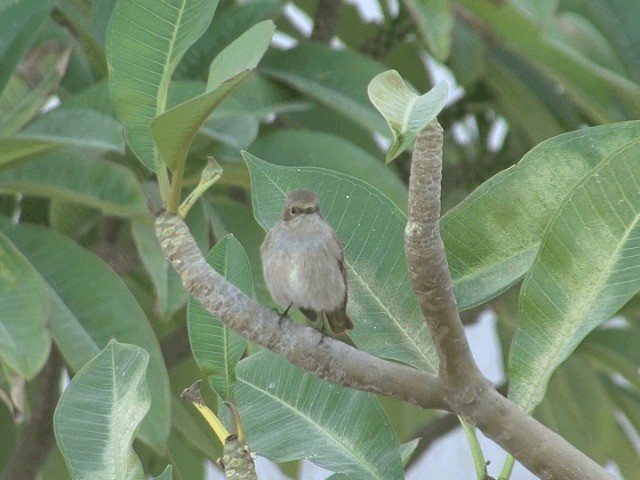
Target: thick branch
{"x": 37, "y": 440}
{"x": 325, "y": 22}
{"x": 427, "y": 262}
{"x": 304, "y": 347}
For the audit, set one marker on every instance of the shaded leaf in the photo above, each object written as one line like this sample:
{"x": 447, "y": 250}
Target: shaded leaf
{"x": 24, "y": 303}
{"x": 434, "y": 20}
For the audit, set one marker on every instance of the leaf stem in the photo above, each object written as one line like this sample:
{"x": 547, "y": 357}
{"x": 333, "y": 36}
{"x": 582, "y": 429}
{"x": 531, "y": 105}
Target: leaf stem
{"x": 479, "y": 462}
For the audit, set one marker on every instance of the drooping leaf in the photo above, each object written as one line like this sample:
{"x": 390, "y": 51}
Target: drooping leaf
{"x": 63, "y": 128}
{"x": 288, "y": 415}
{"x": 492, "y": 236}
{"x": 216, "y": 348}
{"x": 24, "y": 302}
{"x": 28, "y": 89}
{"x": 90, "y": 305}
{"x": 145, "y": 41}
{"x": 405, "y": 112}
{"x": 586, "y": 269}
{"x": 335, "y": 78}
{"x": 19, "y": 26}
{"x": 97, "y": 415}
{"x": 175, "y": 129}
{"x": 381, "y": 302}
{"x": 68, "y": 175}
{"x": 434, "y": 20}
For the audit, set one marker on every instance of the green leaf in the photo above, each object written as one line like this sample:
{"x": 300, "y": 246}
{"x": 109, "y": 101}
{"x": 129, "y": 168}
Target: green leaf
{"x": 27, "y": 91}
{"x": 19, "y": 26}
{"x": 601, "y": 94}
{"x": 63, "y": 128}
{"x": 586, "y": 269}
{"x": 166, "y": 475}
{"x": 68, "y": 175}
{"x": 145, "y": 41}
{"x": 288, "y": 415}
{"x": 226, "y": 26}
{"x": 90, "y": 305}
{"x": 97, "y": 415}
{"x": 175, "y": 129}
{"x": 24, "y": 303}
{"x": 434, "y": 20}
{"x": 215, "y": 347}
{"x": 405, "y": 112}
{"x": 381, "y": 303}
{"x": 492, "y": 236}
{"x": 305, "y": 148}
{"x": 335, "y": 78}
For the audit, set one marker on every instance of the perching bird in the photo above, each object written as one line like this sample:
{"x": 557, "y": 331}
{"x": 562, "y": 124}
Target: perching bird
{"x": 303, "y": 263}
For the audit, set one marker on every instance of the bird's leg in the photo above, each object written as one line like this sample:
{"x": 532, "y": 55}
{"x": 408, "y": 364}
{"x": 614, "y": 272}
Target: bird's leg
{"x": 284, "y": 314}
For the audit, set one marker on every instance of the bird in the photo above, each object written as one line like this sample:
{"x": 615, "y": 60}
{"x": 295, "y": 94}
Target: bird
{"x": 303, "y": 263}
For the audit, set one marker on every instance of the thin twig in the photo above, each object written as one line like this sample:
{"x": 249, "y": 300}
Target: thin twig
{"x": 325, "y": 22}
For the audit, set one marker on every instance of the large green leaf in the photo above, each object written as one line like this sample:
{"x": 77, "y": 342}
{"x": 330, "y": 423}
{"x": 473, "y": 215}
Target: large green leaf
{"x": 405, "y": 112}
{"x": 302, "y": 148}
{"x": 63, "y": 128}
{"x": 492, "y": 237}
{"x": 290, "y": 415}
{"x": 587, "y": 268}
{"x": 216, "y": 348}
{"x": 145, "y": 41}
{"x": 97, "y": 415}
{"x": 388, "y": 321}
{"x": 19, "y": 25}
{"x": 90, "y": 305}
{"x": 175, "y": 129}
{"x": 24, "y": 303}
{"x": 68, "y": 175}
{"x": 603, "y": 95}
{"x": 335, "y": 78}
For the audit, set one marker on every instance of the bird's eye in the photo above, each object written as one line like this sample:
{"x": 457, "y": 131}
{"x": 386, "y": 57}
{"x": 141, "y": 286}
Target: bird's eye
{"x": 294, "y": 211}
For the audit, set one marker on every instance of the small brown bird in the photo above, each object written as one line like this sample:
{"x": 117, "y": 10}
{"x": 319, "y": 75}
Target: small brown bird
{"x": 303, "y": 263}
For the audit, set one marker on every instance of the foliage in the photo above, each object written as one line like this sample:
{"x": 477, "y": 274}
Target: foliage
{"x": 541, "y": 224}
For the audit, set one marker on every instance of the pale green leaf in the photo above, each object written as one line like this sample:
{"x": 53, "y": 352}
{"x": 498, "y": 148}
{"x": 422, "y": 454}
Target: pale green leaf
{"x": 25, "y": 307}
{"x": 388, "y": 320}
{"x": 405, "y": 112}
{"x": 289, "y": 415}
{"x": 216, "y": 348}
{"x": 145, "y": 41}
{"x": 175, "y": 129}
{"x": 588, "y": 266}
{"x": 90, "y": 305}
{"x": 97, "y": 415}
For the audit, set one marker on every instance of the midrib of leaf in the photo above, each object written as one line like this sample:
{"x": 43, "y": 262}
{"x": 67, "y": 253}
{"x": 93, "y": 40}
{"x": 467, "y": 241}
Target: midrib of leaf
{"x": 550, "y": 361}
{"x": 168, "y": 64}
{"x": 407, "y": 113}
{"x": 346, "y": 446}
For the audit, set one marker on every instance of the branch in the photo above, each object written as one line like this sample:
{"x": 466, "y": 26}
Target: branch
{"x": 427, "y": 262}
{"x": 305, "y": 347}
{"x": 36, "y": 439}
{"x": 325, "y": 22}
{"x": 468, "y": 393}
